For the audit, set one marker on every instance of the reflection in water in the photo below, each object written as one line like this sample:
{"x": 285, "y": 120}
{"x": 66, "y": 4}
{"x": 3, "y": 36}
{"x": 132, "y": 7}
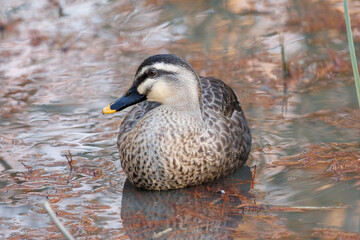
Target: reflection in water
{"x": 209, "y": 209}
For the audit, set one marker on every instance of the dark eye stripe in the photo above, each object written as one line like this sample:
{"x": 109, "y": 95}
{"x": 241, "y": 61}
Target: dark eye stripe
{"x": 141, "y": 79}
{"x": 144, "y": 76}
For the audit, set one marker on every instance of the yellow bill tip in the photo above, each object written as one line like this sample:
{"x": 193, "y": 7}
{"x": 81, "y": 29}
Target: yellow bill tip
{"x": 108, "y": 110}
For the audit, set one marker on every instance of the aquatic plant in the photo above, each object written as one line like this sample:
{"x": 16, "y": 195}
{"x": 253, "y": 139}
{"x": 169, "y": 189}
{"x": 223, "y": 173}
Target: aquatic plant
{"x": 352, "y": 50}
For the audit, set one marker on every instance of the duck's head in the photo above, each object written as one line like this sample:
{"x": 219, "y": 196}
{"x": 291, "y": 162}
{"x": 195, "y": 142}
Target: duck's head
{"x": 167, "y": 79}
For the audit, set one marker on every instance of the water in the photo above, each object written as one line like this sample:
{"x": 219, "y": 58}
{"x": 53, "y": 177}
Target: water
{"x": 57, "y": 73}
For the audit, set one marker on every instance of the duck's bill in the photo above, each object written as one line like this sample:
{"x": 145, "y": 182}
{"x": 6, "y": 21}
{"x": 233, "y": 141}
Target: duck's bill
{"x": 130, "y": 98}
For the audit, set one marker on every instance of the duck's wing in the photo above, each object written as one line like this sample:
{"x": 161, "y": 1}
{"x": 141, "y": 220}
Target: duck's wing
{"x": 225, "y": 118}
{"x": 219, "y": 97}
{"x": 135, "y": 115}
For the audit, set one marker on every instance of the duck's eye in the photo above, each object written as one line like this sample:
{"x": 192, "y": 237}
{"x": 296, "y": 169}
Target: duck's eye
{"x": 152, "y": 73}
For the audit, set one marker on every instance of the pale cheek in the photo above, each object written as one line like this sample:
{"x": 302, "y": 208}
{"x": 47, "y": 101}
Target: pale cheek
{"x": 141, "y": 89}
{"x": 159, "y": 96}
{"x": 160, "y": 93}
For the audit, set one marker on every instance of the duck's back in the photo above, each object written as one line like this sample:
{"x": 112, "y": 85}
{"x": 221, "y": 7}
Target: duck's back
{"x": 221, "y": 148}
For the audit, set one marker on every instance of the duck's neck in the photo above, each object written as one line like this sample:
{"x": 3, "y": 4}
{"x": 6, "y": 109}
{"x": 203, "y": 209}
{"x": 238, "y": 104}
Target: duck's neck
{"x": 187, "y": 98}
{"x": 185, "y": 107}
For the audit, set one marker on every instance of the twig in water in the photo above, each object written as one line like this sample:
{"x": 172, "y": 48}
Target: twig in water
{"x": 69, "y": 159}
{"x": 286, "y": 73}
{"x": 29, "y": 168}
{"x": 57, "y": 222}
{"x": 253, "y": 179}
{"x": 159, "y": 234}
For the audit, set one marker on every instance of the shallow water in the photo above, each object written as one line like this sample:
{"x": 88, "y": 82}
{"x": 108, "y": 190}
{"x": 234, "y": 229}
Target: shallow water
{"x": 61, "y": 64}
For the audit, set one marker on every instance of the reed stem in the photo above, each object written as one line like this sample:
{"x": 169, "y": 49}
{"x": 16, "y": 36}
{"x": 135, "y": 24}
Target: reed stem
{"x": 352, "y": 50}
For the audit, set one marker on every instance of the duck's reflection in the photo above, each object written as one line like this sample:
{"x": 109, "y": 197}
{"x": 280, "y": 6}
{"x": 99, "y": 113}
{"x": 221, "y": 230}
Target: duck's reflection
{"x": 208, "y": 211}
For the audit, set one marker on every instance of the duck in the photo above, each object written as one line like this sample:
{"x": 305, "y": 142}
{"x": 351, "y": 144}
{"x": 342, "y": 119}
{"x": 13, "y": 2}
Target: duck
{"x": 184, "y": 129}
